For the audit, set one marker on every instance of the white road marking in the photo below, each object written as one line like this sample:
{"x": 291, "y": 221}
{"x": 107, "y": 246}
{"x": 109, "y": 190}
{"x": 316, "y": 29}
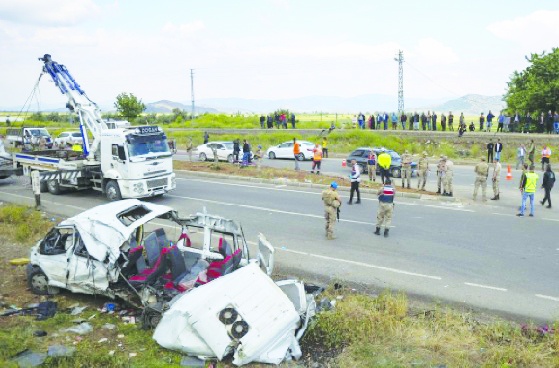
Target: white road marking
{"x": 548, "y": 219}
{"x": 503, "y": 214}
{"x": 16, "y": 195}
{"x": 449, "y": 208}
{"x": 270, "y": 209}
{"x": 389, "y": 269}
{"x": 76, "y": 207}
{"x": 281, "y": 186}
{"x": 548, "y": 297}
{"x": 485, "y": 286}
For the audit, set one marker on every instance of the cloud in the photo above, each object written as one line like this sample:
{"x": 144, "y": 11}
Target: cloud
{"x": 434, "y": 52}
{"x": 185, "y": 29}
{"x": 48, "y": 13}
{"x": 539, "y": 29}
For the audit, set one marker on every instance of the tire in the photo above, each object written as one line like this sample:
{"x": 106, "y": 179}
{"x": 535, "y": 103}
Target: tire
{"x": 395, "y": 173}
{"x": 53, "y": 187}
{"x": 38, "y": 283}
{"x": 230, "y": 159}
{"x": 203, "y": 157}
{"x": 300, "y": 157}
{"x": 272, "y": 156}
{"x": 44, "y": 186}
{"x": 112, "y": 191}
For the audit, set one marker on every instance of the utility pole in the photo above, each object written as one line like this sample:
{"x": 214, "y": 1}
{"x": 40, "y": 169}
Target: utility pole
{"x": 192, "y": 92}
{"x": 400, "y": 61}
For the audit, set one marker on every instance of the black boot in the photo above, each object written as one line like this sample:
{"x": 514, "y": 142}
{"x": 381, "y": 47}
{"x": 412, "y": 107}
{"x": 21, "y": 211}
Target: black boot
{"x": 438, "y": 191}
{"x": 386, "y": 233}
{"x": 377, "y": 231}
{"x": 349, "y": 202}
{"x": 450, "y": 194}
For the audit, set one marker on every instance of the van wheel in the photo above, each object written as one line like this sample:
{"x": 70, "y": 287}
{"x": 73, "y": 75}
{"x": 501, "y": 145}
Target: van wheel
{"x": 53, "y": 186}
{"x": 396, "y": 173}
{"x": 39, "y": 283}
{"x": 112, "y": 191}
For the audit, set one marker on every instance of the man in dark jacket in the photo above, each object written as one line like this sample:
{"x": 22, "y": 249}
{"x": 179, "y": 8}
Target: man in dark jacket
{"x": 548, "y": 181}
{"x": 490, "y": 147}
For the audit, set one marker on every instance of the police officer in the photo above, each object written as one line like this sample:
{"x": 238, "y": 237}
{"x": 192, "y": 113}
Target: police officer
{"x": 496, "y": 179}
{"x": 406, "y": 168}
{"x": 384, "y": 161}
{"x": 355, "y": 178}
{"x": 481, "y": 169}
{"x": 440, "y": 173}
{"x": 448, "y": 176}
{"x": 385, "y": 207}
{"x": 423, "y": 168}
{"x": 332, "y": 202}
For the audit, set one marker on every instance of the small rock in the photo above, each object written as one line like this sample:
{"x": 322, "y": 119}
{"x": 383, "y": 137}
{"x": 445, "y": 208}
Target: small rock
{"x": 60, "y": 351}
{"x": 120, "y": 336}
{"x": 109, "y": 326}
{"x": 132, "y": 355}
{"x": 40, "y": 333}
{"x": 102, "y": 340}
{"x": 111, "y": 353}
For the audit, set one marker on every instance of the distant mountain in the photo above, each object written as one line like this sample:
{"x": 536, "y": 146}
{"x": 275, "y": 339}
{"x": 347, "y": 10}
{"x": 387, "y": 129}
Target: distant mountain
{"x": 472, "y": 105}
{"x": 166, "y": 106}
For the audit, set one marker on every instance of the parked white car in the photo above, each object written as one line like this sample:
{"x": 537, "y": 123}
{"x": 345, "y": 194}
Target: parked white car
{"x": 224, "y": 151}
{"x": 285, "y": 150}
{"x": 68, "y": 137}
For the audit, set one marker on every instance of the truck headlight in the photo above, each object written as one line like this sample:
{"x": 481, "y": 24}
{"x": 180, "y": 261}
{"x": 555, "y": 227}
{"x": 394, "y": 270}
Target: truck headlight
{"x": 138, "y": 188}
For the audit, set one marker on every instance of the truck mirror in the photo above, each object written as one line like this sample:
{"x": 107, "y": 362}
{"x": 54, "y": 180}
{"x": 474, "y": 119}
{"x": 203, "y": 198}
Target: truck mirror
{"x": 121, "y": 153}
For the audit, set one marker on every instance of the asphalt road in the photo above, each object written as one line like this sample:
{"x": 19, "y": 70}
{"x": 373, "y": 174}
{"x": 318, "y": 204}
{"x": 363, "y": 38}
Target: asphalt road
{"x": 478, "y": 254}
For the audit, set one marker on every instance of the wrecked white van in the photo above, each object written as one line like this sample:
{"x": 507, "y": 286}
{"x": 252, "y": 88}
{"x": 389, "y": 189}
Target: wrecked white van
{"x": 140, "y": 252}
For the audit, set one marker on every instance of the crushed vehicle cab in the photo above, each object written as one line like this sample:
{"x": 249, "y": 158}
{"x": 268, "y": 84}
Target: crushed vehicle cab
{"x": 139, "y": 252}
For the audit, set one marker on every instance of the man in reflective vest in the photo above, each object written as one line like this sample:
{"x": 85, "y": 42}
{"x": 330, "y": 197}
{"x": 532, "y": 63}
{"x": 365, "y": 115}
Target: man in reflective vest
{"x": 316, "y": 159}
{"x": 528, "y": 187}
{"x": 384, "y": 161}
{"x": 385, "y": 207}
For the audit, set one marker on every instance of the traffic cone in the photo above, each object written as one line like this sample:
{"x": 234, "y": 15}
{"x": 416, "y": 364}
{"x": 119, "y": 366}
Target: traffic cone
{"x": 509, "y": 174}
{"x": 344, "y": 163}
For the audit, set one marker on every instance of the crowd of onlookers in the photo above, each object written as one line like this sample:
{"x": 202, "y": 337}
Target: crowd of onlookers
{"x": 520, "y": 123}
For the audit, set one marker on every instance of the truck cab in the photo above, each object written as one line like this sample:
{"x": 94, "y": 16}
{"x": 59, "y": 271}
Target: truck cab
{"x": 136, "y": 162}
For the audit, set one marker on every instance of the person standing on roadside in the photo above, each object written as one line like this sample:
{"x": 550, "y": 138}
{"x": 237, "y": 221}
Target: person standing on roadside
{"x": 496, "y": 179}
{"x": 450, "y": 121}
{"x": 236, "y": 149}
{"x": 403, "y": 120}
{"x": 440, "y": 174}
{"x": 531, "y": 152}
{"x": 332, "y": 202}
{"x": 406, "y": 168}
{"x": 296, "y": 152}
{"x": 384, "y": 161}
{"x": 490, "y": 117}
{"x": 385, "y": 210}
{"x": 189, "y": 148}
{"x": 481, "y": 170}
{"x": 372, "y": 165}
{"x": 262, "y": 121}
{"x": 246, "y": 153}
{"x": 292, "y": 121}
{"x": 394, "y": 119}
{"x": 443, "y": 122}
{"x": 528, "y": 188}
{"x": 546, "y": 154}
{"x": 355, "y": 178}
{"x": 490, "y": 148}
{"x": 325, "y": 147}
{"x": 498, "y": 148}
{"x": 316, "y": 159}
{"x": 548, "y": 181}
{"x": 520, "y": 155}
{"x": 434, "y": 121}
{"x": 423, "y": 169}
{"x": 461, "y": 119}
{"x": 258, "y": 157}
{"x": 206, "y": 137}
{"x": 448, "y": 176}
{"x": 429, "y": 117}
{"x": 500, "y": 121}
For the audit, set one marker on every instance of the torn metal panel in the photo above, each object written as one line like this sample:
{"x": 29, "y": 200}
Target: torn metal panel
{"x": 244, "y": 312}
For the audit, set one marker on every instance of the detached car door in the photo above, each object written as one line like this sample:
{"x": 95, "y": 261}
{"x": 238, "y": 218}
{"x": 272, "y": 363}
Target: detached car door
{"x": 86, "y": 274}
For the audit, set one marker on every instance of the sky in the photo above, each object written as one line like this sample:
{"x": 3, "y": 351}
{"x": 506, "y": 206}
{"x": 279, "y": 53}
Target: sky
{"x": 269, "y": 49}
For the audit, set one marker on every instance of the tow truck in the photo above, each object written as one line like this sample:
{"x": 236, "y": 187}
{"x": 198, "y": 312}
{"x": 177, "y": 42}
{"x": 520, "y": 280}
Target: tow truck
{"x": 122, "y": 161}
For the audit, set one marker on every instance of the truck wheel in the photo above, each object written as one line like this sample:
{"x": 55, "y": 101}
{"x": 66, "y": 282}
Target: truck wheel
{"x": 53, "y": 187}
{"x": 112, "y": 191}
{"x": 39, "y": 283}
{"x": 44, "y": 186}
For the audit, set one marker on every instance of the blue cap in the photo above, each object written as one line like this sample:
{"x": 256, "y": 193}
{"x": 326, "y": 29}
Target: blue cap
{"x": 334, "y": 185}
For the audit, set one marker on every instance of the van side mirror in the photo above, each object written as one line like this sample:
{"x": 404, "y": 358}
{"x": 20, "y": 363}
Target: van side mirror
{"x": 121, "y": 153}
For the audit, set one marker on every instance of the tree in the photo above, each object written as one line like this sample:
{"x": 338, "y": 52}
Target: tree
{"x": 129, "y": 106}
{"x": 536, "y": 88}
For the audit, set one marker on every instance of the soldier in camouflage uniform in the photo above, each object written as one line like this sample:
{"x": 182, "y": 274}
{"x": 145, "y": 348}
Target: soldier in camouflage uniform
{"x": 332, "y": 202}
{"x": 481, "y": 169}
{"x": 385, "y": 207}
{"x": 440, "y": 174}
{"x": 448, "y": 176}
{"x": 423, "y": 168}
{"x": 406, "y": 168}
